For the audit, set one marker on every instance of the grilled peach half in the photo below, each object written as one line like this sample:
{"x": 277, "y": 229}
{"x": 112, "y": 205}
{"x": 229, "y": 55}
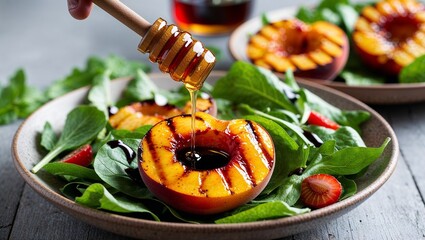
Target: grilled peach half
{"x": 317, "y": 51}
{"x": 390, "y": 34}
{"x": 149, "y": 113}
{"x": 235, "y": 161}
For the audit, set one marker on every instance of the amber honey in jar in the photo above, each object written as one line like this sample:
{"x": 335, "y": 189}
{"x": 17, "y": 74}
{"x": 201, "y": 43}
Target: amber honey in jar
{"x": 210, "y": 17}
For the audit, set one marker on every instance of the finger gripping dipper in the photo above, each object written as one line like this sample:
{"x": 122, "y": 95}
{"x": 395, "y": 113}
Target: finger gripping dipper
{"x": 175, "y": 51}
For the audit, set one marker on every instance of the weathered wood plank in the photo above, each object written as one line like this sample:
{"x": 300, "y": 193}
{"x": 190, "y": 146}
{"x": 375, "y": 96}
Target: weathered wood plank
{"x": 11, "y": 184}
{"x": 410, "y": 129}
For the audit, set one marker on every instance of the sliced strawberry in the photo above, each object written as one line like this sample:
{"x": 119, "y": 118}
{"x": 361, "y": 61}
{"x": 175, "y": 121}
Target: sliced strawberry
{"x": 320, "y": 190}
{"x": 318, "y": 119}
{"x": 82, "y": 156}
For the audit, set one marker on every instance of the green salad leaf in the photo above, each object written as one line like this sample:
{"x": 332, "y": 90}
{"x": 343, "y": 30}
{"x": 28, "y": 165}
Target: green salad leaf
{"x": 111, "y": 164}
{"x": 95, "y": 66}
{"x": 414, "y": 72}
{"x": 81, "y": 126}
{"x": 71, "y": 170}
{"x": 97, "y": 196}
{"x": 139, "y": 88}
{"x": 99, "y": 94}
{"x": 349, "y": 187}
{"x": 253, "y": 88}
{"x": 347, "y": 161}
{"x": 17, "y": 99}
{"x": 270, "y": 210}
{"x": 48, "y": 137}
{"x": 282, "y": 107}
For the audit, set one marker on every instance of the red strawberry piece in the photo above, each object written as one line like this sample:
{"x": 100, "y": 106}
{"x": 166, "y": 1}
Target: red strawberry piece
{"x": 320, "y": 190}
{"x": 82, "y": 156}
{"x": 318, "y": 119}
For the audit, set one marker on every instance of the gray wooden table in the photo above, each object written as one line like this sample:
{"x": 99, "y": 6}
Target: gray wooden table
{"x": 42, "y": 38}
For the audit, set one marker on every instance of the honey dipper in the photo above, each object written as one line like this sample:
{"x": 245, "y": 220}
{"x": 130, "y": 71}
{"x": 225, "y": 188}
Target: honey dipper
{"x": 175, "y": 51}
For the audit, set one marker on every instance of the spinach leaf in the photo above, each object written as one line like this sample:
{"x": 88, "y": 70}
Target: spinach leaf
{"x": 414, "y": 72}
{"x": 347, "y": 161}
{"x": 81, "y": 126}
{"x": 318, "y": 14}
{"x": 138, "y": 133}
{"x": 354, "y": 77}
{"x": 289, "y": 192}
{"x": 111, "y": 165}
{"x": 48, "y": 137}
{"x": 76, "y": 79}
{"x": 95, "y": 66}
{"x": 344, "y": 136}
{"x": 264, "y": 19}
{"x": 270, "y": 210}
{"x": 97, "y": 196}
{"x": 348, "y": 15}
{"x": 118, "y": 66}
{"x": 285, "y": 124}
{"x": 17, "y": 99}
{"x": 75, "y": 189}
{"x": 139, "y": 88}
{"x": 100, "y": 93}
{"x": 316, "y": 154}
{"x": 306, "y": 14}
{"x": 253, "y": 87}
{"x": 349, "y": 187}
{"x": 332, "y": 4}
{"x": 71, "y": 170}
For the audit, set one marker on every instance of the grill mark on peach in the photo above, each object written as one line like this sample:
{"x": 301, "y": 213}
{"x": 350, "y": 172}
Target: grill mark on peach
{"x": 246, "y": 175}
{"x": 258, "y": 143}
{"x": 243, "y": 162}
{"x": 155, "y": 157}
{"x": 202, "y": 178}
{"x": 329, "y": 38}
{"x": 225, "y": 179}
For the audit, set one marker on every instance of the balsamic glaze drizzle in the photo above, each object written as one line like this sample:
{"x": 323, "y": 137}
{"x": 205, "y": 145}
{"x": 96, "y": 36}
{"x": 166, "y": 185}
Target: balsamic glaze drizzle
{"x": 313, "y": 138}
{"x": 129, "y": 153}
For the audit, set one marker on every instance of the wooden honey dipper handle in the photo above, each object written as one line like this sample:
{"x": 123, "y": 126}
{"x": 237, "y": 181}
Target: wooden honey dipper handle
{"x": 125, "y": 15}
{"x": 175, "y": 51}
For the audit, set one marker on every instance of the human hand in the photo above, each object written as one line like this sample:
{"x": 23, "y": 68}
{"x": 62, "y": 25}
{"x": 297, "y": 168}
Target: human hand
{"x": 80, "y": 9}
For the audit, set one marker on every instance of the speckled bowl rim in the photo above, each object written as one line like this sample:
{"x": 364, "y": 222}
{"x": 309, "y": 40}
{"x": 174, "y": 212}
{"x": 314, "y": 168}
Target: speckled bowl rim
{"x": 98, "y": 216}
{"x": 385, "y": 94}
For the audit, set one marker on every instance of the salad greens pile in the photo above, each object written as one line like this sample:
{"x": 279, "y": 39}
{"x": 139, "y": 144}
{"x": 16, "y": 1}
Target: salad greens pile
{"x": 18, "y": 99}
{"x": 344, "y": 13}
{"x": 112, "y": 184}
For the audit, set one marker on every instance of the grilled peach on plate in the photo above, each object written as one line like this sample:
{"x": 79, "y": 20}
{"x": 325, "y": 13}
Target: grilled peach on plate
{"x": 315, "y": 51}
{"x": 235, "y": 163}
{"x": 390, "y": 34}
{"x": 388, "y": 93}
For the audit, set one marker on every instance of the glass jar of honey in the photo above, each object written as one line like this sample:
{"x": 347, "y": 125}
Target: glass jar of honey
{"x": 210, "y": 17}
